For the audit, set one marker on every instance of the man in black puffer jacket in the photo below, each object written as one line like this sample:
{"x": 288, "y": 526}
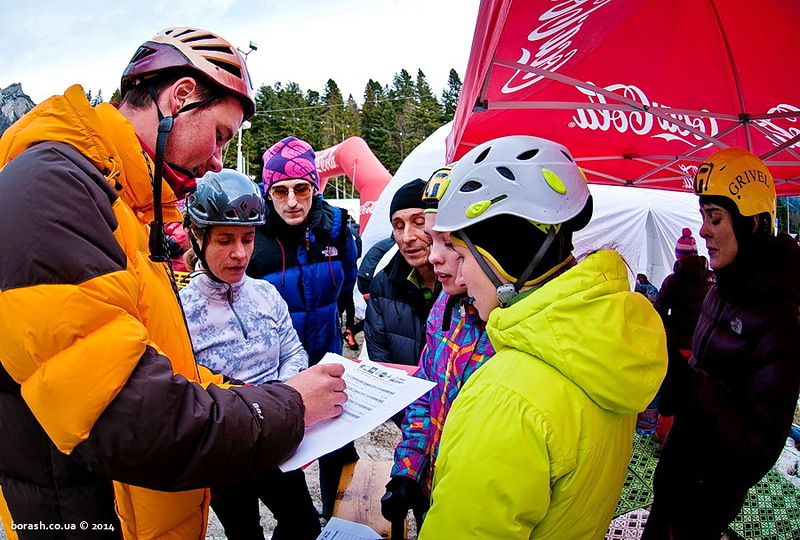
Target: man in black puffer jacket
{"x": 402, "y": 294}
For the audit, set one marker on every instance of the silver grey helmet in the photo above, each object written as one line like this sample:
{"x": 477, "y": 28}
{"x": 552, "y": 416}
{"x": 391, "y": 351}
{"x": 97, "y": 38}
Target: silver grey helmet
{"x": 225, "y": 198}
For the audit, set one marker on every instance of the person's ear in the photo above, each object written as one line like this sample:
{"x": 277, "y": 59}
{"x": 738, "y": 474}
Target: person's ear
{"x": 755, "y": 222}
{"x": 180, "y": 94}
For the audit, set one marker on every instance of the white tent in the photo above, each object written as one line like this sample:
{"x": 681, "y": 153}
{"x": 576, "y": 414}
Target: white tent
{"x": 642, "y": 224}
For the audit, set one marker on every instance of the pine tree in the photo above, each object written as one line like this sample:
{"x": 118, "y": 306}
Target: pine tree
{"x": 404, "y": 101}
{"x": 450, "y": 96}
{"x": 334, "y": 130}
{"x": 428, "y": 115}
{"x": 332, "y": 116}
{"x": 392, "y": 120}
{"x": 378, "y": 125}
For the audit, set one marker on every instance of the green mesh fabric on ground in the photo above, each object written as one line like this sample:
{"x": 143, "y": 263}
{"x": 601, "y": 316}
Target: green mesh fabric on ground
{"x": 771, "y": 510}
{"x": 637, "y": 492}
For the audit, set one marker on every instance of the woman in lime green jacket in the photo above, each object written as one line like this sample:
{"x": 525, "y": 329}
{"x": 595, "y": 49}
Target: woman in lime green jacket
{"x": 538, "y": 441}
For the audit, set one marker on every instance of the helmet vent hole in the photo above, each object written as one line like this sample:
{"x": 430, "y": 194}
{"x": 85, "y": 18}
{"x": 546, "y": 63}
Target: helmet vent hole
{"x": 505, "y": 172}
{"x": 528, "y": 154}
{"x": 143, "y": 52}
{"x": 199, "y": 38}
{"x": 230, "y": 68}
{"x": 470, "y": 186}
{"x": 482, "y": 155}
{"x": 213, "y": 48}
{"x": 568, "y": 156}
{"x": 230, "y": 214}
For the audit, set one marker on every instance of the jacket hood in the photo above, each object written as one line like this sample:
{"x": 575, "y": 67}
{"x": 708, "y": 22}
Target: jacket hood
{"x": 103, "y": 135}
{"x": 587, "y": 324}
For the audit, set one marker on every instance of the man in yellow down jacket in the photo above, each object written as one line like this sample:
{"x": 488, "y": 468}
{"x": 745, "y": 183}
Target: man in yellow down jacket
{"x": 97, "y": 377}
{"x": 538, "y": 441}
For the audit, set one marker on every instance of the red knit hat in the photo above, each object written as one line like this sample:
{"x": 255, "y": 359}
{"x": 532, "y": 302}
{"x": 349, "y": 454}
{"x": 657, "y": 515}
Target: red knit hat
{"x": 686, "y": 244}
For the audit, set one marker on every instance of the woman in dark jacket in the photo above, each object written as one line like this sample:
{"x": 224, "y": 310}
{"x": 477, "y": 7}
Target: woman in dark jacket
{"x": 683, "y": 291}
{"x": 734, "y": 400}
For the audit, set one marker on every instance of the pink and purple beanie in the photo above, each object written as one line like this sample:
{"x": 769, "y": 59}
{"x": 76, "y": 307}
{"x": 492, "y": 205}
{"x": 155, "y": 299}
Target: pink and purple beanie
{"x": 289, "y": 159}
{"x": 686, "y": 244}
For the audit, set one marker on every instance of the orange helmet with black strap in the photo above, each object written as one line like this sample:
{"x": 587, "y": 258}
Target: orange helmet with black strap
{"x": 198, "y": 50}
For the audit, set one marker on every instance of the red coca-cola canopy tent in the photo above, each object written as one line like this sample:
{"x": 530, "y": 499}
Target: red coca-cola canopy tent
{"x": 640, "y": 91}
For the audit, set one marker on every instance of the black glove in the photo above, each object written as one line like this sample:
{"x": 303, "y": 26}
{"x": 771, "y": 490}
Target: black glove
{"x": 402, "y": 494}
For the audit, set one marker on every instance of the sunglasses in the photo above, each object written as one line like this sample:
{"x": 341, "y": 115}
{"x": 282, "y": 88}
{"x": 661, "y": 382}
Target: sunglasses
{"x": 300, "y": 191}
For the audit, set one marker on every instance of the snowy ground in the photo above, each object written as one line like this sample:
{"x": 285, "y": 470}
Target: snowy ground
{"x": 378, "y": 444}
{"x": 789, "y": 462}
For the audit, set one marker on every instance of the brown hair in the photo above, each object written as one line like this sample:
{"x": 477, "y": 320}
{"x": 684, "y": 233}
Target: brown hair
{"x": 138, "y": 97}
{"x": 190, "y": 258}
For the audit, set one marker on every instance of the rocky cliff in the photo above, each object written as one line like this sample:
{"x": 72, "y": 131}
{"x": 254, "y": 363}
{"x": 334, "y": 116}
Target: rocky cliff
{"x": 13, "y": 104}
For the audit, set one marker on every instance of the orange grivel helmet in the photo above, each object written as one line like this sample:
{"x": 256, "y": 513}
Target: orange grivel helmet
{"x": 198, "y": 50}
{"x": 740, "y": 176}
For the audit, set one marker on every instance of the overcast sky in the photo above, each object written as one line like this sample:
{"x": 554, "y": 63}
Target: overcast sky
{"x": 49, "y": 45}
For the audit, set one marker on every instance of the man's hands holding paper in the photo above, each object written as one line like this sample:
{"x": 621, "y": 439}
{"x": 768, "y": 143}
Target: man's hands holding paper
{"x": 322, "y": 389}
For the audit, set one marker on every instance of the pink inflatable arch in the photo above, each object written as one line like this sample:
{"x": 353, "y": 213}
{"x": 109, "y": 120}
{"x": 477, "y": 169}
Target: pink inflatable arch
{"x": 353, "y": 158}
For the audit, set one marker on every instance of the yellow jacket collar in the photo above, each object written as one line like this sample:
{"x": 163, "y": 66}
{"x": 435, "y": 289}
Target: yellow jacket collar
{"x": 104, "y": 136}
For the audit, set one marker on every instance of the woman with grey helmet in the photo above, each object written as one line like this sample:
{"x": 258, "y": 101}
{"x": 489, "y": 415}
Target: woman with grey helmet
{"x": 240, "y": 327}
{"x": 538, "y": 441}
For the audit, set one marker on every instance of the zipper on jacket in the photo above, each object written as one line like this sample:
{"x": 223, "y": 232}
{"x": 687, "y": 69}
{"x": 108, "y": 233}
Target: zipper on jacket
{"x": 230, "y": 303}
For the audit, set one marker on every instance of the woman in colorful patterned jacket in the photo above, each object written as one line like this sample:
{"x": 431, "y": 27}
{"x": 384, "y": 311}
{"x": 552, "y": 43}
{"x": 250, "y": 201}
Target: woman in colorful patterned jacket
{"x": 110, "y": 429}
{"x": 456, "y": 345}
{"x": 240, "y": 327}
{"x": 537, "y": 443}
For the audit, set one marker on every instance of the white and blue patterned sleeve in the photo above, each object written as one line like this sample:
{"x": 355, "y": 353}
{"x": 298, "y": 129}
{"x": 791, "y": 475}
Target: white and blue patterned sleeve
{"x": 293, "y": 357}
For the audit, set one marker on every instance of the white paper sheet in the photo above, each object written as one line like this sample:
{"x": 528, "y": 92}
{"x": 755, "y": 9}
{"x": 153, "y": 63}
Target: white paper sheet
{"x": 341, "y": 529}
{"x": 375, "y": 392}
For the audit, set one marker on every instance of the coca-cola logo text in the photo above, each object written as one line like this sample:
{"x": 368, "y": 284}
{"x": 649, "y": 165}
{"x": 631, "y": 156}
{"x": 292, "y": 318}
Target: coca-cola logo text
{"x": 640, "y": 122}
{"x": 782, "y": 134}
{"x": 367, "y": 207}
{"x": 326, "y": 160}
{"x": 559, "y": 25}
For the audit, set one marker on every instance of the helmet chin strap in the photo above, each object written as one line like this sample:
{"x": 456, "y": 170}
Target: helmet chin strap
{"x": 157, "y": 240}
{"x": 507, "y": 291}
{"x": 201, "y": 255}
{"x": 158, "y": 244}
